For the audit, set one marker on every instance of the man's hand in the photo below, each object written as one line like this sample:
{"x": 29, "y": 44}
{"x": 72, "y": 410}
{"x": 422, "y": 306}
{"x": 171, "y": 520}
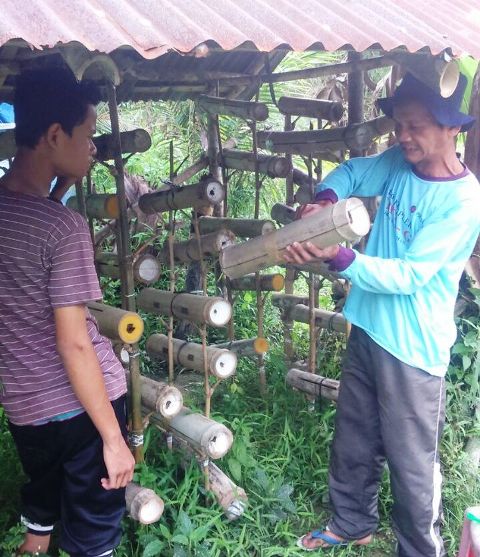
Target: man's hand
{"x": 119, "y": 462}
{"x": 298, "y": 254}
{"x": 304, "y": 253}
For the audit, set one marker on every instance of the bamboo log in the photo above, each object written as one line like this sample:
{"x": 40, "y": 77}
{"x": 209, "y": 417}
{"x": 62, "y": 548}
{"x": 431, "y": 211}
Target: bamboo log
{"x": 98, "y": 206}
{"x": 232, "y": 107}
{"x": 229, "y": 496}
{"x": 286, "y": 302}
{"x": 355, "y": 136}
{"x": 271, "y": 165}
{"x": 160, "y": 397}
{"x": 206, "y": 193}
{"x": 146, "y": 267}
{"x": 439, "y": 73}
{"x": 211, "y": 245}
{"x": 244, "y": 228}
{"x": 266, "y": 283}
{"x": 221, "y": 363}
{"x": 213, "y": 311}
{"x": 324, "y": 319}
{"x": 283, "y": 214}
{"x": 312, "y": 108}
{"x": 117, "y": 324}
{"x": 202, "y": 434}
{"x": 346, "y": 220}
{"x": 249, "y": 347}
{"x": 135, "y": 141}
{"x": 313, "y": 384}
{"x": 143, "y": 504}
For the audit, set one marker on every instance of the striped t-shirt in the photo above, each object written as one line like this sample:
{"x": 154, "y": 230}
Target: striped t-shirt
{"x": 46, "y": 262}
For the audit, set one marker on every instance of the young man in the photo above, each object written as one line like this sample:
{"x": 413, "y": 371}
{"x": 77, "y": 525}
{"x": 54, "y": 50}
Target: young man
{"x": 401, "y": 304}
{"x": 62, "y": 387}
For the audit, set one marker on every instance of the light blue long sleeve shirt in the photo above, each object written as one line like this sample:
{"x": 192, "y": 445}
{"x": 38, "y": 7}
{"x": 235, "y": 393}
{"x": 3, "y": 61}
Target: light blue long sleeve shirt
{"x": 405, "y": 286}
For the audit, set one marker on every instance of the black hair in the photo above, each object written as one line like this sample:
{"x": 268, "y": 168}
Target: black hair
{"x": 50, "y": 96}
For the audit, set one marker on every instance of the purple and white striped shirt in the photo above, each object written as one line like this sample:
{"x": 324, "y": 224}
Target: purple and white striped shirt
{"x": 46, "y": 262}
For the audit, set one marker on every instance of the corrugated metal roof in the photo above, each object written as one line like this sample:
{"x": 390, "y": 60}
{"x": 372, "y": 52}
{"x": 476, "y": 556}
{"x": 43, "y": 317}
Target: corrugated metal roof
{"x": 152, "y": 27}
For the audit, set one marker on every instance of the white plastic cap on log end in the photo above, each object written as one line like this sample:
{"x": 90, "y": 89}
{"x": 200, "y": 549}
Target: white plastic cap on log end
{"x": 223, "y": 364}
{"x": 219, "y": 313}
{"x": 214, "y": 192}
{"x": 148, "y": 269}
{"x": 170, "y": 403}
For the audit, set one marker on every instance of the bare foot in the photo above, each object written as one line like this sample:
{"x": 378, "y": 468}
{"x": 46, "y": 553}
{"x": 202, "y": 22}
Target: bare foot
{"x": 318, "y": 539}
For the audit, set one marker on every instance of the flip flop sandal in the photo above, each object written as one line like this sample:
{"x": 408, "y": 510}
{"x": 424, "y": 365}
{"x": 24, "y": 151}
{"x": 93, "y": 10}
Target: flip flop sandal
{"x": 319, "y": 535}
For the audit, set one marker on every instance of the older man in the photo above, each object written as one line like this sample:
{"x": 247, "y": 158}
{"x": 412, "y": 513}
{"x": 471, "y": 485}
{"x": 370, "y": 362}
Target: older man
{"x": 392, "y": 398}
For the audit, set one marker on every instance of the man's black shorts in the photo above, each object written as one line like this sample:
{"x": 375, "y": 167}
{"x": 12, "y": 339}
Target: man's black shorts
{"x": 64, "y": 463}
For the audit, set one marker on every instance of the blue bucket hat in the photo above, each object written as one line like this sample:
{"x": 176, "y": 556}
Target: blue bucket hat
{"x": 446, "y": 111}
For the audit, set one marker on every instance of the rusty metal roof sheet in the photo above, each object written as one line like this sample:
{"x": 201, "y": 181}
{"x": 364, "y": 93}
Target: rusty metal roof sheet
{"x": 153, "y": 27}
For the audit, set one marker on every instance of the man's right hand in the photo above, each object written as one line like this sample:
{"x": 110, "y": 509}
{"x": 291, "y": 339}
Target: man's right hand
{"x": 119, "y": 462}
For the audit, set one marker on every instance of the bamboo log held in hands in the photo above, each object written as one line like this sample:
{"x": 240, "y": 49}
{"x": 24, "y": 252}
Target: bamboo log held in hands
{"x": 117, "y": 324}
{"x": 214, "y": 311}
{"x": 221, "y": 363}
{"x": 346, "y": 220}
{"x": 206, "y": 193}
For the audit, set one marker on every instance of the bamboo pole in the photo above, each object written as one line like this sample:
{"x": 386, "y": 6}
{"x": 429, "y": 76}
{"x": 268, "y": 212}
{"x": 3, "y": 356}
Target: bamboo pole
{"x": 200, "y": 433}
{"x": 283, "y": 214}
{"x": 244, "y": 228}
{"x": 205, "y": 193}
{"x": 126, "y": 276}
{"x": 232, "y": 107}
{"x": 135, "y": 141}
{"x": 117, "y": 324}
{"x": 346, "y": 220}
{"x": 355, "y": 136}
{"x": 229, "y": 496}
{"x": 146, "y": 267}
{"x": 324, "y": 319}
{"x": 213, "y": 311}
{"x": 190, "y": 250}
{"x": 143, "y": 504}
{"x": 309, "y": 73}
{"x": 271, "y": 165}
{"x": 286, "y": 302}
{"x": 220, "y": 363}
{"x": 311, "y": 108}
{"x": 190, "y": 172}
{"x": 160, "y": 397}
{"x": 319, "y": 268}
{"x": 98, "y": 206}
{"x": 267, "y": 283}
{"x": 249, "y": 347}
{"x": 313, "y": 384}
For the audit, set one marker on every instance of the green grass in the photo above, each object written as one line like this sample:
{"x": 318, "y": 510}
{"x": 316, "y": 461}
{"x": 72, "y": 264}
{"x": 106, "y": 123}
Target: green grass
{"x": 280, "y": 457}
